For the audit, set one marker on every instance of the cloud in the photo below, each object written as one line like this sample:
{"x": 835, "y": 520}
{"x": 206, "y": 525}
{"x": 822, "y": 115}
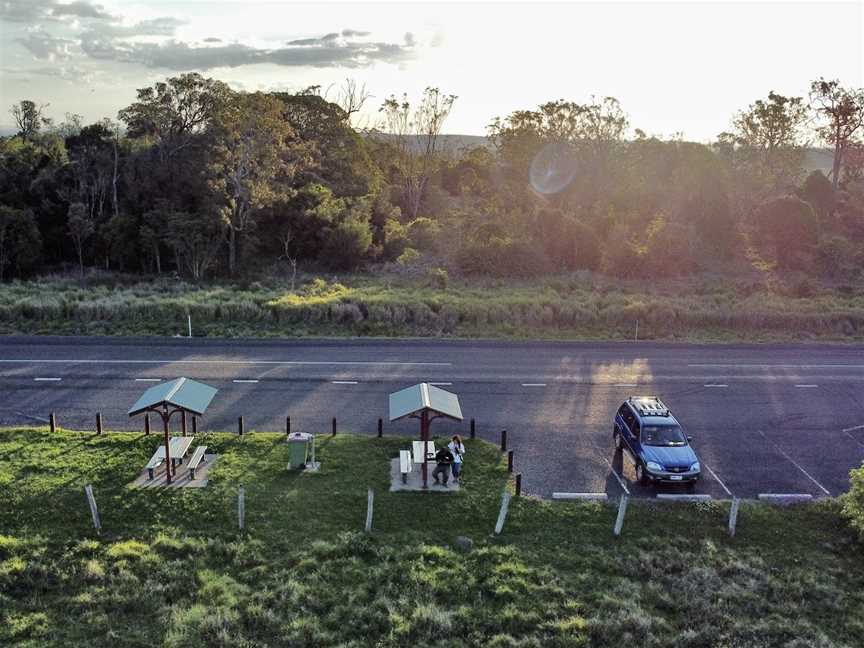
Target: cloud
{"x": 31, "y": 11}
{"x": 65, "y": 72}
{"x": 212, "y": 40}
{"x": 330, "y": 50}
{"x": 46, "y": 47}
{"x": 164, "y": 26}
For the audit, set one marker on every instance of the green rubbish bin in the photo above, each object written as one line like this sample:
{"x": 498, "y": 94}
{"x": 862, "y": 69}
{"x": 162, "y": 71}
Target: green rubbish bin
{"x": 298, "y": 450}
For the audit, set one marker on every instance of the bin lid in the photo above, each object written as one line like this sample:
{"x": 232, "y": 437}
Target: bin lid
{"x": 299, "y": 436}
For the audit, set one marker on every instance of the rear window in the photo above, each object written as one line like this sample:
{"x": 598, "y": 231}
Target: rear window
{"x": 663, "y": 435}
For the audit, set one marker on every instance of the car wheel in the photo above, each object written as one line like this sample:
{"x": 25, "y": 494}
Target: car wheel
{"x": 641, "y": 477}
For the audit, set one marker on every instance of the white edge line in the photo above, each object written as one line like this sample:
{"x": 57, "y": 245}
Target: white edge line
{"x": 223, "y": 362}
{"x": 148, "y": 379}
{"x": 47, "y": 379}
{"x": 617, "y": 476}
{"x": 720, "y": 481}
{"x": 344, "y": 382}
{"x": 242, "y": 380}
{"x": 580, "y": 496}
{"x": 697, "y": 497}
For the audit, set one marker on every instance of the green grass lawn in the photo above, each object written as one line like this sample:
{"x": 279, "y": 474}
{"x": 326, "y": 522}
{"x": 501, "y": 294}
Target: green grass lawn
{"x": 171, "y": 567}
{"x": 580, "y": 306}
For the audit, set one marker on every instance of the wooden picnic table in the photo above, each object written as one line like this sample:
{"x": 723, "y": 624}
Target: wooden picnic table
{"x": 179, "y": 447}
{"x": 418, "y": 451}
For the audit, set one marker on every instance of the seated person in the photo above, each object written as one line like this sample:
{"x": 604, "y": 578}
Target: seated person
{"x": 444, "y": 459}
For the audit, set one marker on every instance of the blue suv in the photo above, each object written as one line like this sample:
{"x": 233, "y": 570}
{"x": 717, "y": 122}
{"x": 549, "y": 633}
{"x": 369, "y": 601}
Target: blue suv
{"x": 660, "y": 449}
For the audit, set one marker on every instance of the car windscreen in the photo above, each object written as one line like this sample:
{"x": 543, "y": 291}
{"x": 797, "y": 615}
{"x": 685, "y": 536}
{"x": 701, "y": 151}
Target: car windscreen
{"x": 663, "y": 435}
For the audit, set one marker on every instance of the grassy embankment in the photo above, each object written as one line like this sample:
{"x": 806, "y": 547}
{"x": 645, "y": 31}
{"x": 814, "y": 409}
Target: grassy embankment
{"x": 573, "y": 307}
{"x": 170, "y": 568}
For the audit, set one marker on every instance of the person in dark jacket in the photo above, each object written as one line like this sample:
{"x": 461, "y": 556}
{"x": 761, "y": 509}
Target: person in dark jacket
{"x": 444, "y": 459}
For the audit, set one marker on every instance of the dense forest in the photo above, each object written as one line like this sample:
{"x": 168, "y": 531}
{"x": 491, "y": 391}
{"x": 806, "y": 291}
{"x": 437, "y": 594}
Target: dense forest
{"x": 199, "y": 180}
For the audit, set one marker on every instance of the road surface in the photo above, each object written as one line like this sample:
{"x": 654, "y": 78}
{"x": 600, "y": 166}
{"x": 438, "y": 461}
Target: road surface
{"x": 785, "y": 419}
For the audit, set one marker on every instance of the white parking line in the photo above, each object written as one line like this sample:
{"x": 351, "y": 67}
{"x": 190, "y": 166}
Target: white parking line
{"x": 344, "y": 382}
{"x": 694, "y": 497}
{"x": 148, "y": 379}
{"x": 849, "y": 434}
{"x": 852, "y": 429}
{"x": 809, "y": 386}
{"x": 617, "y": 476}
{"x": 533, "y": 384}
{"x": 717, "y": 386}
{"x": 243, "y": 380}
{"x": 792, "y": 461}
{"x": 47, "y": 379}
{"x": 719, "y": 481}
{"x": 580, "y": 496}
{"x": 234, "y": 362}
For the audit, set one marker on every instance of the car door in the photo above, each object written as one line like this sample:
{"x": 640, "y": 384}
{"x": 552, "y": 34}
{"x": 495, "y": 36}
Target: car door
{"x": 625, "y": 421}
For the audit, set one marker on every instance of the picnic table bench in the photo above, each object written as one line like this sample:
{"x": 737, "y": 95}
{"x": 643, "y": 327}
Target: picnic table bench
{"x": 196, "y": 458}
{"x": 405, "y": 464}
{"x": 179, "y": 447}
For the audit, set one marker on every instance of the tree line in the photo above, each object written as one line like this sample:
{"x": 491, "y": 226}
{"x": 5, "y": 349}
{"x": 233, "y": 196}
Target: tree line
{"x": 196, "y": 179}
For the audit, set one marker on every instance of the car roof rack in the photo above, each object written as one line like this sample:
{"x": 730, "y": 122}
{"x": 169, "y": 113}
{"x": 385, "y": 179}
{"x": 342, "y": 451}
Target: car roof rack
{"x": 649, "y": 406}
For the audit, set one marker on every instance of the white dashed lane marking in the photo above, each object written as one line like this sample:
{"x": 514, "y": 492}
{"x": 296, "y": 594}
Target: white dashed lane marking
{"x": 806, "y": 386}
{"x": 148, "y": 379}
{"x": 715, "y": 386}
{"x": 533, "y": 384}
{"x": 344, "y": 382}
{"x": 47, "y": 379}
{"x": 244, "y": 380}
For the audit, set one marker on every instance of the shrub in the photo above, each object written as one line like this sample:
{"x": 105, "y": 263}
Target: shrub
{"x": 853, "y": 501}
{"x": 439, "y": 278}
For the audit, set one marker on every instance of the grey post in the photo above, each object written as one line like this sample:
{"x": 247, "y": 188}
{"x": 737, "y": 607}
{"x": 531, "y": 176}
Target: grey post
{"x": 733, "y": 515}
{"x": 52, "y": 422}
{"x": 190, "y": 325}
{"x": 241, "y": 507}
{"x": 370, "y": 500}
{"x": 97, "y": 524}
{"x": 502, "y": 514}
{"x": 240, "y": 425}
{"x": 334, "y": 426}
{"x": 98, "y": 422}
{"x": 313, "y": 451}
{"x": 622, "y": 509}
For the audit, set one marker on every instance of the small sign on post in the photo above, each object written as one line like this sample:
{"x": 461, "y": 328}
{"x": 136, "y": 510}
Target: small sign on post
{"x": 622, "y": 509}
{"x": 94, "y": 512}
{"x": 241, "y": 507}
{"x": 370, "y": 501}
{"x": 502, "y": 514}
{"x": 733, "y": 515}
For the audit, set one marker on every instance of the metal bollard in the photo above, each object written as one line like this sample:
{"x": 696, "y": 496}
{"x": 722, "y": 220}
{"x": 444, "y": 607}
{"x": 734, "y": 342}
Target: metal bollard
{"x": 52, "y": 422}
{"x": 287, "y": 425}
{"x": 334, "y": 426}
{"x": 503, "y": 440}
{"x": 98, "y": 422}
{"x": 147, "y": 423}
{"x": 380, "y": 428}
{"x": 473, "y": 429}
{"x": 240, "y": 425}
{"x": 518, "y": 484}
{"x": 510, "y": 461}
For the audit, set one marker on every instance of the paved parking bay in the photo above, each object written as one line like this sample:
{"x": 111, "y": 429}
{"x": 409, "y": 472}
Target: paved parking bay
{"x": 765, "y": 419}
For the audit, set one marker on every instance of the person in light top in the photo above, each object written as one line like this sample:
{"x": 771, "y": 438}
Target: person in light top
{"x": 457, "y": 449}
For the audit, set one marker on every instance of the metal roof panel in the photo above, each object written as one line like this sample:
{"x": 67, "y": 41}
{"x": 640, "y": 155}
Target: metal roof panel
{"x": 412, "y": 400}
{"x": 186, "y": 394}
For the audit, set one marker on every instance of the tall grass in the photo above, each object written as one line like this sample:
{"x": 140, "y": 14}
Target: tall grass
{"x": 579, "y": 306}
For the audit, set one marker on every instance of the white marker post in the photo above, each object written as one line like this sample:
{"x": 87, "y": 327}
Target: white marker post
{"x": 733, "y": 515}
{"x": 622, "y": 509}
{"x": 97, "y": 524}
{"x": 502, "y": 514}
{"x": 190, "y": 325}
{"x": 370, "y": 501}
{"x": 241, "y": 507}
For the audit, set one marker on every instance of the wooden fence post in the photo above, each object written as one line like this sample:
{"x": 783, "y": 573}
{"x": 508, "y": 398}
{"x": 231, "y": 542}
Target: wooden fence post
{"x": 380, "y": 428}
{"x": 733, "y": 515}
{"x": 622, "y": 509}
{"x": 98, "y": 422}
{"x": 503, "y": 440}
{"x": 473, "y": 429}
{"x": 147, "y": 423}
{"x": 287, "y": 425}
{"x": 240, "y": 425}
{"x": 510, "y": 461}
{"x": 52, "y": 422}
{"x": 334, "y": 426}
{"x": 518, "y": 484}
{"x": 370, "y": 500}
{"x": 502, "y": 513}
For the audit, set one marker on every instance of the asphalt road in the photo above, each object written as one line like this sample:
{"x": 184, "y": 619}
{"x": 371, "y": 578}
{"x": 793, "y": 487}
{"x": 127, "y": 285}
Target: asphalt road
{"x": 785, "y": 419}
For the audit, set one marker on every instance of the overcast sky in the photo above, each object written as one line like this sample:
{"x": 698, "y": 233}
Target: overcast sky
{"x": 675, "y": 66}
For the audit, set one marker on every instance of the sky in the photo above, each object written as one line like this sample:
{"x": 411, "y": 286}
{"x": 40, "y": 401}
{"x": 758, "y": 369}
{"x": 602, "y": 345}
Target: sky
{"x": 676, "y": 67}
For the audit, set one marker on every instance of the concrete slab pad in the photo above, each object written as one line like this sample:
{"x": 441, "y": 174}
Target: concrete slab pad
{"x": 182, "y": 479}
{"x": 415, "y": 480}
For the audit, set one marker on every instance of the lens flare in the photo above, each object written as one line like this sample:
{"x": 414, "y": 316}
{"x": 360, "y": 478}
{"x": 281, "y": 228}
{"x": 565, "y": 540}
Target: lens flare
{"x": 553, "y": 168}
